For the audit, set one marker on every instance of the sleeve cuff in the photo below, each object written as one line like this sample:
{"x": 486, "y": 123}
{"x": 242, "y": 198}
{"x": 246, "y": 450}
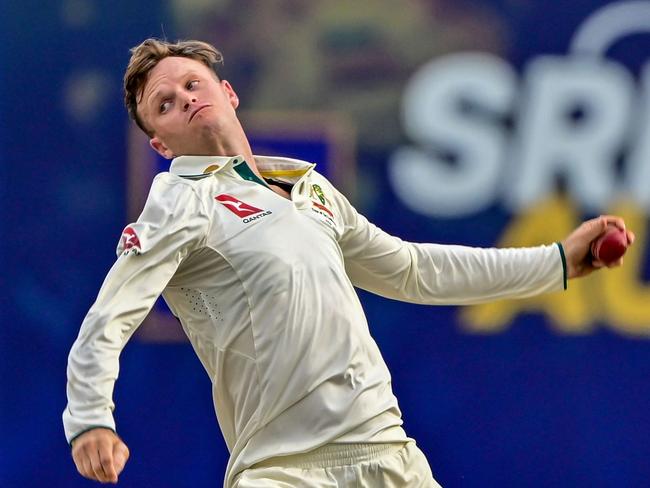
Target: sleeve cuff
{"x": 564, "y": 271}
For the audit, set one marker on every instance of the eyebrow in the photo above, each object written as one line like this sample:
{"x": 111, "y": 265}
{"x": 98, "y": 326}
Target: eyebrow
{"x": 155, "y": 96}
{"x": 159, "y": 92}
{"x": 153, "y": 99}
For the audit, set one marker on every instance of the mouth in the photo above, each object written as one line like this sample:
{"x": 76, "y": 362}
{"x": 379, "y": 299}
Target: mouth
{"x": 197, "y": 111}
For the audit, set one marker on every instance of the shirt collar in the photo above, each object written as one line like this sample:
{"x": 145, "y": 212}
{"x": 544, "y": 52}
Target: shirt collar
{"x": 193, "y": 166}
{"x": 280, "y": 168}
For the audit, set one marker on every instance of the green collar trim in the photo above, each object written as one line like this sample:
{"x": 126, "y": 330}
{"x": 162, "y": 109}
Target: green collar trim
{"x": 246, "y": 173}
{"x": 562, "y": 255}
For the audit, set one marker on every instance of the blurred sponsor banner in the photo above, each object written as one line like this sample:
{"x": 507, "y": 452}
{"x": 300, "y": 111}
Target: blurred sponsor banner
{"x": 566, "y": 139}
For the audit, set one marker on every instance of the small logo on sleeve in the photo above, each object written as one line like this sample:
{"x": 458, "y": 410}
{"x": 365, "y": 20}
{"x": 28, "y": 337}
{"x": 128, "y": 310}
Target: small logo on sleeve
{"x": 243, "y": 210}
{"x": 319, "y": 193}
{"x": 321, "y": 208}
{"x": 129, "y": 241}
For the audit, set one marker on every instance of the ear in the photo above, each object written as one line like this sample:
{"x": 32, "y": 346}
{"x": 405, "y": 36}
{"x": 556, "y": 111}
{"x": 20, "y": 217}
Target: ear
{"x": 230, "y": 93}
{"x": 159, "y": 146}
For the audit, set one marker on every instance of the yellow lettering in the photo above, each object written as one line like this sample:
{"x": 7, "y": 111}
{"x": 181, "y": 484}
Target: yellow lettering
{"x": 572, "y": 311}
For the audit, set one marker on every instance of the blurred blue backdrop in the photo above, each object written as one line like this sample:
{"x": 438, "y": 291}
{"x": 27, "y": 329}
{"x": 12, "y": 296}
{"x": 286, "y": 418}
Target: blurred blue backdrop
{"x": 543, "y": 392}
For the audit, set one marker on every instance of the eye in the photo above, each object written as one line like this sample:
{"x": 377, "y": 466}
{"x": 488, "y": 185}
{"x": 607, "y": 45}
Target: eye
{"x": 164, "y": 106}
{"x": 192, "y": 84}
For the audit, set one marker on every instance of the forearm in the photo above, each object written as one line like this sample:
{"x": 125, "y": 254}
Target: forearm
{"x": 457, "y": 275}
{"x": 443, "y": 274}
{"x": 127, "y": 295}
{"x": 93, "y": 366}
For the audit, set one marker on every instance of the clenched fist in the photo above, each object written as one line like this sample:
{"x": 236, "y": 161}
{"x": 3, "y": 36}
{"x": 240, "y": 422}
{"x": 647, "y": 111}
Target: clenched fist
{"x": 577, "y": 245}
{"x": 100, "y": 455}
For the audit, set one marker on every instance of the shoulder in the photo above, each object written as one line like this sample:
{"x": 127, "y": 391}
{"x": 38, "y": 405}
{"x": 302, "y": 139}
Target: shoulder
{"x": 316, "y": 177}
{"x": 319, "y": 183}
{"x": 166, "y": 180}
{"x": 323, "y": 189}
{"x": 169, "y": 190}
{"x": 172, "y": 204}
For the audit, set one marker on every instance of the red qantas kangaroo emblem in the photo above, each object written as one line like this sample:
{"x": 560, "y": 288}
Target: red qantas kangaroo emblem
{"x": 237, "y": 207}
{"x": 130, "y": 240}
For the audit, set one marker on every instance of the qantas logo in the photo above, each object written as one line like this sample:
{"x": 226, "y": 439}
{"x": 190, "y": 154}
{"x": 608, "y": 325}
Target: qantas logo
{"x": 237, "y": 207}
{"x": 130, "y": 241}
{"x": 241, "y": 209}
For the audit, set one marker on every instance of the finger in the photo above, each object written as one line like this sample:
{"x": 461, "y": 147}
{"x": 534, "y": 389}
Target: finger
{"x": 97, "y": 468}
{"x": 106, "y": 461}
{"x": 76, "y": 457}
{"x": 87, "y": 471}
{"x": 595, "y": 228}
{"x": 120, "y": 456}
{"x": 95, "y": 465}
{"x": 78, "y": 464}
{"x": 615, "y": 264}
{"x": 597, "y": 264}
{"x": 77, "y": 452}
{"x": 630, "y": 237}
{"x": 615, "y": 220}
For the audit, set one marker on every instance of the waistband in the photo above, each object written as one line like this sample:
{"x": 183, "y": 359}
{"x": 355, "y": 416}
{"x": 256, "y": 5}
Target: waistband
{"x": 333, "y": 455}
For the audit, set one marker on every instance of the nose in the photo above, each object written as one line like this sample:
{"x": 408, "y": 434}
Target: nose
{"x": 188, "y": 102}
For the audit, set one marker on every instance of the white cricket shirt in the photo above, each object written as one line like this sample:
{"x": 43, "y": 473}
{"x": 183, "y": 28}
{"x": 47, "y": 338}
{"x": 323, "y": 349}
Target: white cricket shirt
{"x": 264, "y": 289}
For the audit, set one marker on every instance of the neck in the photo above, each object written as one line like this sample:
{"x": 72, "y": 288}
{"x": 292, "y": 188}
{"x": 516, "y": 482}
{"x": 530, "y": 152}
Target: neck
{"x": 235, "y": 146}
{"x": 243, "y": 149}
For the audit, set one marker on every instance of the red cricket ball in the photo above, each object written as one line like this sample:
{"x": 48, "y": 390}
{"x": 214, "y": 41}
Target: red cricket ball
{"x": 610, "y": 246}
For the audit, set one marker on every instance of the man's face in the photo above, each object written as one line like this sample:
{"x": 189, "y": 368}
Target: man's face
{"x": 188, "y": 109}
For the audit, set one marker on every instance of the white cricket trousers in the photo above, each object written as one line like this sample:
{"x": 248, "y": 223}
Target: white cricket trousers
{"x": 400, "y": 465}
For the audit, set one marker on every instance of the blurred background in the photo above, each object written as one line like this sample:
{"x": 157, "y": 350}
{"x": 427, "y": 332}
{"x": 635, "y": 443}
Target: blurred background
{"x": 479, "y": 122}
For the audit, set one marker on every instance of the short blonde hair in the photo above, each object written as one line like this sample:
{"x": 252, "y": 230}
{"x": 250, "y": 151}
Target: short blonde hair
{"x": 148, "y": 54}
